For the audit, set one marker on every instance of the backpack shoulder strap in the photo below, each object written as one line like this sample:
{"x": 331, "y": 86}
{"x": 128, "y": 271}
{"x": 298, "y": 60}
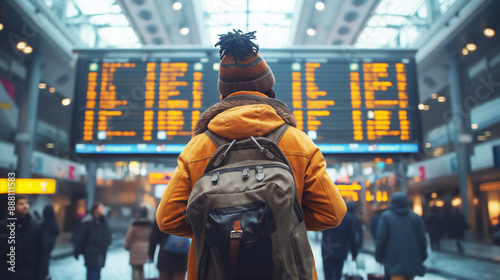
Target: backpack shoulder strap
{"x": 276, "y": 134}
{"x": 218, "y": 141}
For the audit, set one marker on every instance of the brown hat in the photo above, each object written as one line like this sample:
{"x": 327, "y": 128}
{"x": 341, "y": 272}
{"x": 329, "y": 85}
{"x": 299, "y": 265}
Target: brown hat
{"x": 241, "y": 66}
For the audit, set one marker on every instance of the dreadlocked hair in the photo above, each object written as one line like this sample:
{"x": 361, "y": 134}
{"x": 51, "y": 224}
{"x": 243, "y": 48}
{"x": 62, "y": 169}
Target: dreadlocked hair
{"x": 237, "y": 44}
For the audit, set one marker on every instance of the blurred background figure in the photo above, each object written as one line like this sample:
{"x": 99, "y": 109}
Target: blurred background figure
{"x": 50, "y": 232}
{"x": 172, "y": 266}
{"x": 374, "y": 223}
{"x": 137, "y": 243}
{"x": 401, "y": 244}
{"x": 357, "y": 225}
{"x": 458, "y": 225}
{"x": 495, "y": 233}
{"x": 93, "y": 240}
{"x": 29, "y": 249}
{"x": 434, "y": 224}
{"x": 335, "y": 246}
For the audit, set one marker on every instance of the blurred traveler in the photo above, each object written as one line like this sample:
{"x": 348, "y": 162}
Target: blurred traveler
{"x": 458, "y": 225}
{"x": 137, "y": 243}
{"x": 50, "y": 233}
{"x": 401, "y": 244}
{"x": 434, "y": 223}
{"x": 374, "y": 223}
{"x": 29, "y": 247}
{"x": 172, "y": 266}
{"x": 357, "y": 224}
{"x": 93, "y": 240}
{"x": 248, "y": 108}
{"x": 495, "y": 232}
{"x": 335, "y": 245}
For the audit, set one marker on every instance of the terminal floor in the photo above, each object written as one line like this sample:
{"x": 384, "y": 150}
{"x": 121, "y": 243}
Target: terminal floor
{"x": 478, "y": 263}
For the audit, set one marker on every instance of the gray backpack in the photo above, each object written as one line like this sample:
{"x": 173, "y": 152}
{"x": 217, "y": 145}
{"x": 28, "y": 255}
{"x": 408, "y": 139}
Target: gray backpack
{"x": 245, "y": 213}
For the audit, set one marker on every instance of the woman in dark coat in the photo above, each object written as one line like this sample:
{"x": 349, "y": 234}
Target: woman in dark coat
{"x": 401, "y": 244}
{"x": 434, "y": 223}
{"x": 50, "y": 229}
{"x": 172, "y": 266}
{"x": 458, "y": 225}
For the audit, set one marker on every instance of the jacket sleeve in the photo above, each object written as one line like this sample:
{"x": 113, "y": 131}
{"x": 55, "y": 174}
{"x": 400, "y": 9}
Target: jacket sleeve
{"x": 322, "y": 204}
{"x": 171, "y": 213}
{"x": 129, "y": 236}
{"x": 381, "y": 241}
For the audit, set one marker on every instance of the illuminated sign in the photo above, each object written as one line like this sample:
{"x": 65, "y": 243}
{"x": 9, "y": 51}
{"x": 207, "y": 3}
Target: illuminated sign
{"x": 30, "y": 186}
{"x": 137, "y": 103}
{"x": 155, "y": 178}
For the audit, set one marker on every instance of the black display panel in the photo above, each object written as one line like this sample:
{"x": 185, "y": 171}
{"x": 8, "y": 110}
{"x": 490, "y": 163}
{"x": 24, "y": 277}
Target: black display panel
{"x": 135, "y": 103}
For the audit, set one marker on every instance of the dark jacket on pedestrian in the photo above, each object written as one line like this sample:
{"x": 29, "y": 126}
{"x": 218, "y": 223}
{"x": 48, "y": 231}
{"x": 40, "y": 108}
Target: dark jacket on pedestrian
{"x": 434, "y": 224}
{"x": 50, "y": 233}
{"x": 137, "y": 241}
{"x": 357, "y": 225}
{"x": 458, "y": 224}
{"x": 29, "y": 249}
{"x": 166, "y": 261}
{"x": 401, "y": 243}
{"x": 338, "y": 241}
{"x": 92, "y": 241}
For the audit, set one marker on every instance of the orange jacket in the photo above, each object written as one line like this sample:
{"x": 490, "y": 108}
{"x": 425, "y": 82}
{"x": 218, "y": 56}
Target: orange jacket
{"x": 322, "y": 204}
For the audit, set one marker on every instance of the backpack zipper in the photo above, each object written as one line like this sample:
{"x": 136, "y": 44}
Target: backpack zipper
{"x": 259, "y": 169}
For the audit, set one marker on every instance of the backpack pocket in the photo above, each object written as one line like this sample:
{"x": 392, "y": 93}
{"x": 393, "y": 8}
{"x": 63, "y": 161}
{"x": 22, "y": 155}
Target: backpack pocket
{"x": 255, "y": 248}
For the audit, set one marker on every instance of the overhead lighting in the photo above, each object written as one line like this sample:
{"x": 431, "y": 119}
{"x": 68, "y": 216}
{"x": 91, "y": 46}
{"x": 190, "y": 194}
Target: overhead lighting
{"x": 177, "y": 6}
{"x": 184, "y": 31}
{"x": 42, "y": 85}
{"x": 441, "y": 99}
{"x": 465, "y": 51}
{"x": 427, "y": 108}
{"x": 427, "y": 145}
{"x": 320, "y": 6}
{"x": 66, "y": 101}
{"x": 1, "y": 26}
{"x": 311, "y": 32}
{"x": 481, "y": 138}
{"x": 434, "y": 195}
{"x": 50, "y": 145}
{"x": 471, "y": 47}
{"x": 21, "y": 45}
{"x": 434, "y": 95}
{"x": 487, "y": 133}
{"x": 474, "y": 126}
{"x": 421, "y": 106}
{"x": 488, "y": 32}
{"x": 28, "y": 50}
{"x": 52, "y": 89}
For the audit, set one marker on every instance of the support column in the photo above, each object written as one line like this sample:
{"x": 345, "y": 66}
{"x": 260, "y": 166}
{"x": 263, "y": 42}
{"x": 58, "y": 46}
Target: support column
{"x": 461, "y": 136}
{"x": 402, "y": 176}
{"x": 25, "y": 137}
{"x": 91, "y": 167}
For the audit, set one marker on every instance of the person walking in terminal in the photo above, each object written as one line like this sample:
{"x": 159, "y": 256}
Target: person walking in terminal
{"x": 172, "y": 266}
{"x": 458, "y": 225}
{"x": 50, "y": 233}
{"x": 357, "y": 225}
{"x": 434, "y": 223}
{"x": 248, "y": 108}
{"x": 28, "y": 244}
{"x": 93, "y": 240}
{"x": 336, "y": 243}
{"x": 137, "y": 243}
{"x": 401, "y": 244}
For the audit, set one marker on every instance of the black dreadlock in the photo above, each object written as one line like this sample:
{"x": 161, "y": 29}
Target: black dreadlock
{"x": 237, "y": 44}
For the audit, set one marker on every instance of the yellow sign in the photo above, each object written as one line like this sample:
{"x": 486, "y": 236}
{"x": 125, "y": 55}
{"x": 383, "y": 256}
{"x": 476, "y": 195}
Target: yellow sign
{"x": 159, "y": 178}
{"x": 490, "y": 186}
{"x": 28, "y": 186}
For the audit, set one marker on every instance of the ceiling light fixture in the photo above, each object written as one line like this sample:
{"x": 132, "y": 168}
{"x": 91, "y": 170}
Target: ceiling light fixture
{"x": 21, "y": 45}
{"x": 441, "y": 99}
{"x": 52, "y": 89}
{"x": 42, "y": 85}
{"x": 427, "y": 108}
{"x": 465, "y": 51}
{"x": 474, "y": 126}
{"x": 50, "y": 145}
{"x": 488, "y": 32}
{"x": 434, "y": 95}
{"x": 1, "y": 26}
{"x": 427, "y": 145}
{"x": 177, "y": 6}
{"x": 471, "y": 47}
{"x": 28, "y": 50}
{"x": 311, "y": 32}
{"x": 421, "y": 106}
{"x": 320, "y": 6}
{"x": 184, "y": 31}
{"x": 66, "y": 101}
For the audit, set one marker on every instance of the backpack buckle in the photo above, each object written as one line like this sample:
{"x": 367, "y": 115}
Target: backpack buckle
{"x": 236, "y": 234}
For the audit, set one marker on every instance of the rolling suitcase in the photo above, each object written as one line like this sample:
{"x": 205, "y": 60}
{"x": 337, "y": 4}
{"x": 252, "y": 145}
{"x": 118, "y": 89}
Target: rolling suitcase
{"x": 353, "y": 271}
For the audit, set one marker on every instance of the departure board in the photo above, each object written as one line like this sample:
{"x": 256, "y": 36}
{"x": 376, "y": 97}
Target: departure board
{"x": 136, "y": 103}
